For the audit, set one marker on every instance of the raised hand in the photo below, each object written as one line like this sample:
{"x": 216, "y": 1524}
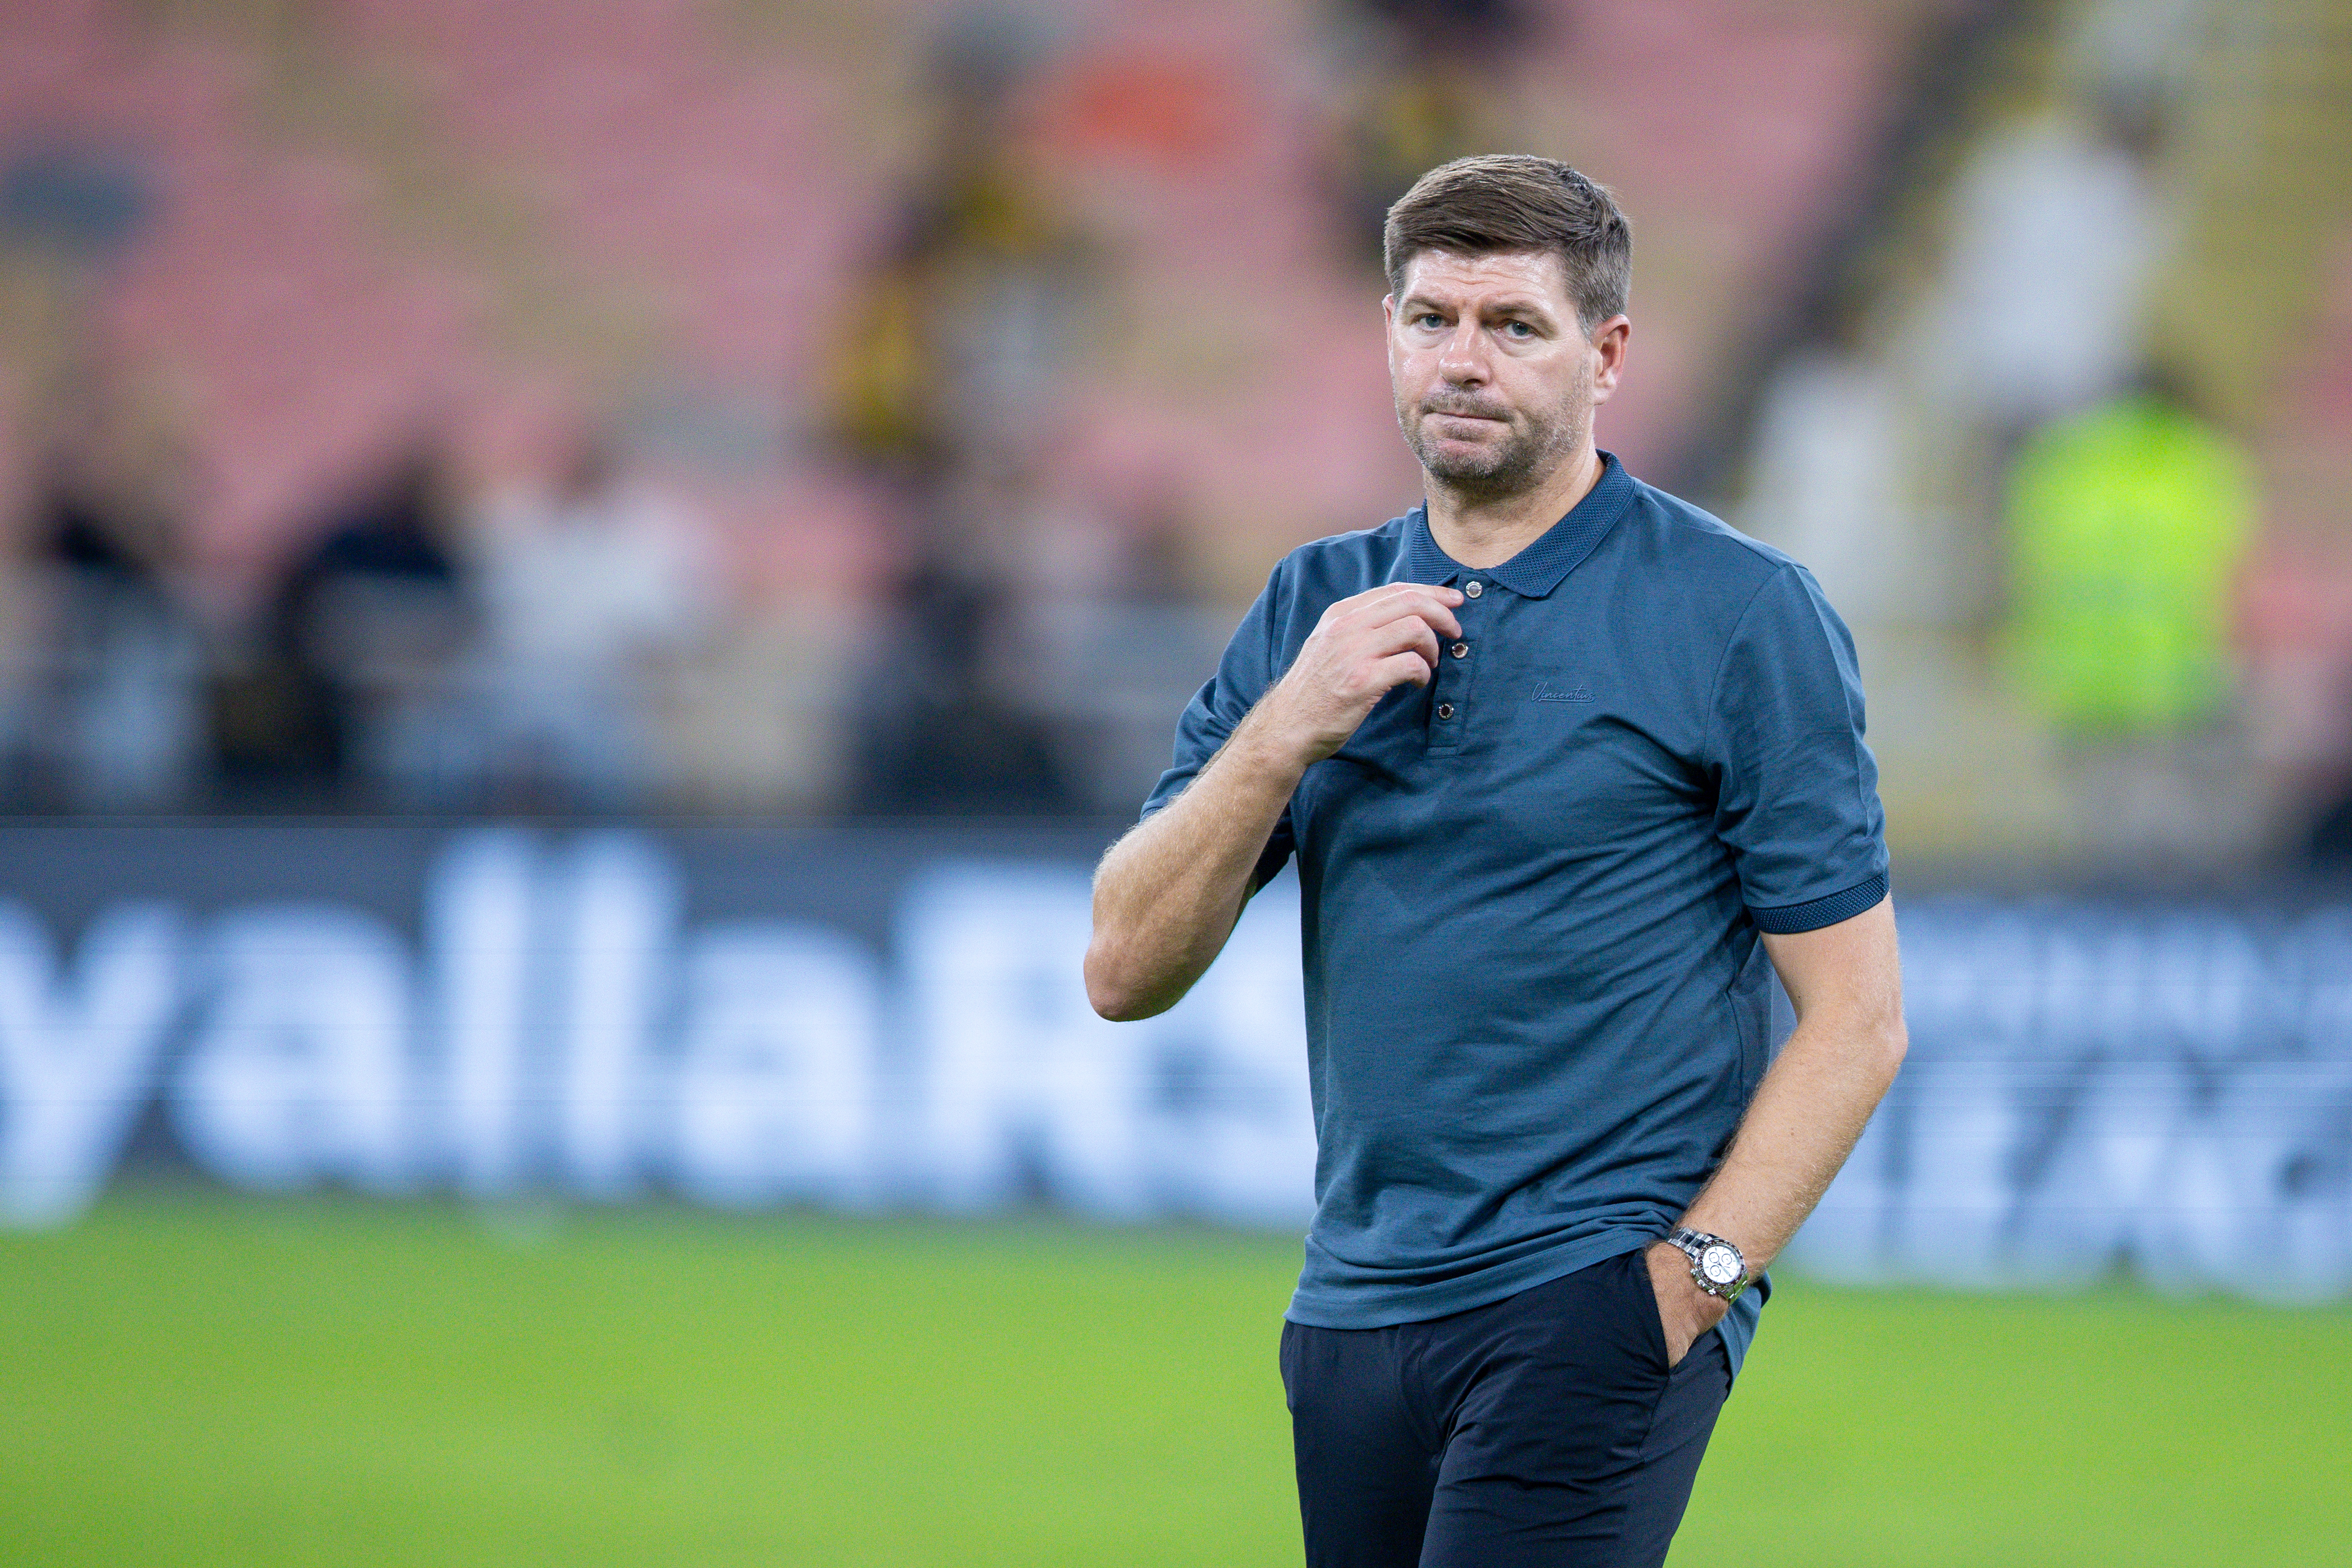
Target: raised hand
{"x": 1362, "y": 648}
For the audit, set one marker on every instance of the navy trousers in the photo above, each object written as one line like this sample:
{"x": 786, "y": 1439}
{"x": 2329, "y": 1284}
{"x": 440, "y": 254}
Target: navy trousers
{"x": 1545, "y": 1429}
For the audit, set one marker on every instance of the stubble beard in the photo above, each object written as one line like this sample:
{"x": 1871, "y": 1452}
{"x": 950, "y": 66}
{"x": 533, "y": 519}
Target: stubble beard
{"x": 1534, "y": 449}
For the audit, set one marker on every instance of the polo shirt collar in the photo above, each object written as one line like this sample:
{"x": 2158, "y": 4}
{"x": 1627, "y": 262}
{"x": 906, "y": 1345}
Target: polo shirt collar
{"x": 1536, "y": 571}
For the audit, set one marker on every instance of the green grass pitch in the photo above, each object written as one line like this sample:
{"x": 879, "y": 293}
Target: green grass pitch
{"x": 188, "y": 1378}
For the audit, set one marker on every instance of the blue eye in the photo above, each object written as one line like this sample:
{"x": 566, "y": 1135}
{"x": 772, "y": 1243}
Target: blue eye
{"x": 1518, "y": 329}
{"x": 1428, "y": 319}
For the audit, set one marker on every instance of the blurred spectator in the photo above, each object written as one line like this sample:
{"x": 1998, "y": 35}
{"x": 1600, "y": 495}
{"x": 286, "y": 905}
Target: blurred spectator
{"x": 351, "y": 691}
{"x": 1822, "y": 478}
{"x": 1423, "y": 93}
{"x": 948, "y": 385}
{"x": 959, "y": 333}
{"x": 939, "y": 725}
{"x": 2127, "y": 526}
{"x": 1120, "y": 642}
{"x": 2060, "y": 228}
{"x": 587, "y": 588}
{"x": 110, "y": 717}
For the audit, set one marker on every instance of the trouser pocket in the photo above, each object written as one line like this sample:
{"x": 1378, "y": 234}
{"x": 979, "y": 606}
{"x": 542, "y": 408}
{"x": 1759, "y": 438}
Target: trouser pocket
{"x": 1646, "y": 1306}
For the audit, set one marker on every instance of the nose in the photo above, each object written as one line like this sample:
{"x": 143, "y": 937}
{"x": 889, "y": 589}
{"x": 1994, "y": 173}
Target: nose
{"x": 1463, "y": 360}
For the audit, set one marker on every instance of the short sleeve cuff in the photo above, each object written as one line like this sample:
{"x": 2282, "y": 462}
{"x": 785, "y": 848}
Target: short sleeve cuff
{"x": 1789, "y": 918}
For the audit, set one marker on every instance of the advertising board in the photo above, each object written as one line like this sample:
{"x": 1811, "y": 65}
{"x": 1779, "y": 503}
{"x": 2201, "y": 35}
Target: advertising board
{"x": 891, "y": 1016}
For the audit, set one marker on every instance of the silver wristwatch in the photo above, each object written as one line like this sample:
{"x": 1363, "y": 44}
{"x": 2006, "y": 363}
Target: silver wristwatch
{"x": 1716, "y": 1267}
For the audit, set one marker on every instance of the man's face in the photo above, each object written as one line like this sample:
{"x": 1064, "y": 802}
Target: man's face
{"x": 1494, "y": 380}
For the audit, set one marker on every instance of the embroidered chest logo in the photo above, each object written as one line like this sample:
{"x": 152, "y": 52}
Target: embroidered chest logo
{"x": 1546, "y": 693}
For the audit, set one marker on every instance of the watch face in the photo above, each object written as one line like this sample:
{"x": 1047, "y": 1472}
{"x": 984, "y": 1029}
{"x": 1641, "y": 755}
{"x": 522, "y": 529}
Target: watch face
{"x": 1719, "y": 1263}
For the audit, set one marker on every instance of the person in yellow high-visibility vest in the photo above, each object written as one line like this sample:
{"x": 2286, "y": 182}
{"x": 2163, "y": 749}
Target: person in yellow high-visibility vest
{"x": 2127, "y": 524}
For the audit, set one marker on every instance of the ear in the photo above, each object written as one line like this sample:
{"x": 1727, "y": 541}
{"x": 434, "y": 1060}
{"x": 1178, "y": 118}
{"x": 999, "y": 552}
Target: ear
{"x": 1609, "y": 343}
{"x": 1388, "y": 311}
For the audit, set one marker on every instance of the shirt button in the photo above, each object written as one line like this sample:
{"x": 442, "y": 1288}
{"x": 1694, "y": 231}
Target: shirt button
{"x": 1459, "y": 650}
{"x": 1474, "y": 588}
{"x": 1445, "y": 710}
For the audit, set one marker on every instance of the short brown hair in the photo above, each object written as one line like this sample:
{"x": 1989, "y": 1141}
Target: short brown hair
{"x": 1516, "y": 201}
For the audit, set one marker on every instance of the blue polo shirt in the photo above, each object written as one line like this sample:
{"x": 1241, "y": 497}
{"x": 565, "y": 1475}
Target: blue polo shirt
{"x": 1536, "y": 1004}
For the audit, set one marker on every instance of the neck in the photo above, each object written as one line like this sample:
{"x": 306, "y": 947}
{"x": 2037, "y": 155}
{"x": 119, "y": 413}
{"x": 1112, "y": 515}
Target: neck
{"x": 1481, "y": 529}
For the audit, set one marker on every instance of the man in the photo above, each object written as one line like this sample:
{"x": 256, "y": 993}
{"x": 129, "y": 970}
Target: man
{"x": 1556, "y": 753}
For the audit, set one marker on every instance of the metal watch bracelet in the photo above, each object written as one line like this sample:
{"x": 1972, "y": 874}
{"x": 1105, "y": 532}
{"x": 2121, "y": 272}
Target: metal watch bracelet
{"x": 1717, "y": 1266}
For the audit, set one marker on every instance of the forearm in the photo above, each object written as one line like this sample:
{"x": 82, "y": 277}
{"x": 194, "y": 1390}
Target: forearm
{"x": 1166, "y": 895}
{"x": 1799, "y": 1130}
{"x": 1846, "y": 982}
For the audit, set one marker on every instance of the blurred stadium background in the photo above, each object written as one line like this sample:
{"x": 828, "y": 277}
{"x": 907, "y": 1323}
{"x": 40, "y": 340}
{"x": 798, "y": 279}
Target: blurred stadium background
{"x": 579, "y": 585}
